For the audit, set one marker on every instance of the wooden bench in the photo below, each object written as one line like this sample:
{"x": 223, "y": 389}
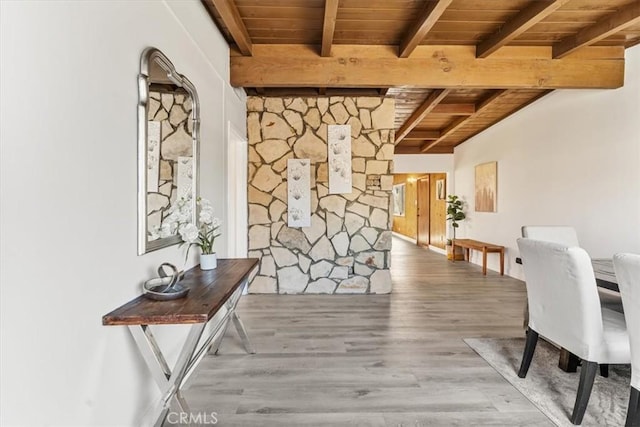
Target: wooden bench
{"x": 468, "y": 244}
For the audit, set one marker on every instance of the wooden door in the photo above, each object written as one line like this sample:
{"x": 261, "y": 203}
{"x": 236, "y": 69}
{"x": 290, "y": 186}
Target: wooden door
{"x": 438, "y": 211}
{"x": 423, "y": 196}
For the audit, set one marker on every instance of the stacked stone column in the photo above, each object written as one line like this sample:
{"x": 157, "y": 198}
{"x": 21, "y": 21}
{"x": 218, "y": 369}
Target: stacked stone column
{"x": 347, "y": 247}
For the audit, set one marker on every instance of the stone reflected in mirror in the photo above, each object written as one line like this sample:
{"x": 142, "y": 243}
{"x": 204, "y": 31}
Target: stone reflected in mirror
{"x": 169, "y": 155}
{"x": 168, "y": 115}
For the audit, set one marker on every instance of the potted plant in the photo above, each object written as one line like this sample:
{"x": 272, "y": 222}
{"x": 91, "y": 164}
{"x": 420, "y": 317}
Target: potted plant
{"x": 202, "y": 235}
{"x": 455, "y": 213}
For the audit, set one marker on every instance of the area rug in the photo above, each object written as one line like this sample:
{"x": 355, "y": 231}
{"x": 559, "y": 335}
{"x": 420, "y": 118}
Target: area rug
{"x": 552, "y": 390}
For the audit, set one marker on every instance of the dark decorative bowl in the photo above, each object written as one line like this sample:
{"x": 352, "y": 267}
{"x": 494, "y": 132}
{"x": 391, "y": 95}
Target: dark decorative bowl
{"x": 165, "y": 287}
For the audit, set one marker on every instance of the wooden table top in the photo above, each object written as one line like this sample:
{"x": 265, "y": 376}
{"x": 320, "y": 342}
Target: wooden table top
{"x": 605, "y": 274}
{"x": 602, "y": 270}
{"x": 209, "y": 290}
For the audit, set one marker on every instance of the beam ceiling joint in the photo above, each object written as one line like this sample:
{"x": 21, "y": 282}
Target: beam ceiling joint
{"x": 430, "y": 15}
{"x": 623, "y": 18}
{"x": 454, "y": 109}
{"x": 231, "y": 19}
{"x": 525, "y": 19}
{"x": 329, "y": 26}
{"x": 416, "y": 117}
{"x": 422, "y": 135}
{"x": 459, "y": 122}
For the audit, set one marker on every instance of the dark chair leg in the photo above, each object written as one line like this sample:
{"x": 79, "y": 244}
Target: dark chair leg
{"x": 529, "y": 348}
{"x": 604, "y": 370}
{"x": 587, "y": 375}
{"x": 633, "y": 412}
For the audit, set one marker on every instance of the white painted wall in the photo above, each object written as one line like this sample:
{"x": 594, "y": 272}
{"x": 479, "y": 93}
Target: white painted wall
{"x": 429, "y": 163}
{"x": 68, "y": 197}
{"x": 571, "y": 158}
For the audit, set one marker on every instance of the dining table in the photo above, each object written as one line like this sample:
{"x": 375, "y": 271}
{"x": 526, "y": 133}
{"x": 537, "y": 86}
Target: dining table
{"x": 605, "y": 273}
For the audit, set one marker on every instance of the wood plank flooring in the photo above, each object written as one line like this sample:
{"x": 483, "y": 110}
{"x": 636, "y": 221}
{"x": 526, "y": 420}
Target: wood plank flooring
{"x": 375, "y": 360}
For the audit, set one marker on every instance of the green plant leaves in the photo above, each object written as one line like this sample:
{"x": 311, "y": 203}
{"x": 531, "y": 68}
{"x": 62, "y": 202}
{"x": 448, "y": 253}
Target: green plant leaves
{"x": 455, "y": 211}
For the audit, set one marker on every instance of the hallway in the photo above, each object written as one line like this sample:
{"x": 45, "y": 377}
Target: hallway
{"x": 372, "y": 360}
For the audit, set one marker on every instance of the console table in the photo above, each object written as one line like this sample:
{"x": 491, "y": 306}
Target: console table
{"x": 210, "y": 304}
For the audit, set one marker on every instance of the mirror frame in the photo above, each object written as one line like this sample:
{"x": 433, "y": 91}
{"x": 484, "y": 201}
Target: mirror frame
{"x": 150, "y": 55}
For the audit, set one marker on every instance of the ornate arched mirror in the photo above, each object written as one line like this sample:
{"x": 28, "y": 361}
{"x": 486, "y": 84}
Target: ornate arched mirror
{"x": 168, "y": 141}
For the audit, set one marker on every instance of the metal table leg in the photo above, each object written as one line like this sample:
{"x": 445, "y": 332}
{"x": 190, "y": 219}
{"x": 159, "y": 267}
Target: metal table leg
{"x": 243, "y": 333}
{"x": 231, "y": 305}
{"x": 168, "y": 381}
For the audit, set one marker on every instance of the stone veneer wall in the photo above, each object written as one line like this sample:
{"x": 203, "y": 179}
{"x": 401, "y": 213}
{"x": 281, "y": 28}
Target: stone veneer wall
{"x": 347, "y": 247}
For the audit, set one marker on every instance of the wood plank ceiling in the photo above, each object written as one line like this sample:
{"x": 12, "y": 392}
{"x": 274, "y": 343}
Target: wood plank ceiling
{"x": 455, "y": 67}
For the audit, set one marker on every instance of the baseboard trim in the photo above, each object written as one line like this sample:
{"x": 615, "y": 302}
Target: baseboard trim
{"x": 415, "y": 242}
{"x": 403, "y": 237}
{"x": 437, "y": 250}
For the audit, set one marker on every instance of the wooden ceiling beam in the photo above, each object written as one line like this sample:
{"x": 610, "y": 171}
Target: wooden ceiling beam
{"x": 329, "y": 26}
{"x": 430, "y": 15}
{"x": 454, "y": 109}
{"x": 312, "y": 92}
{"x": 625, "y": 17}
{"x": 352, "y": 91}
{"x": 422, "y": 135}
{"x": 402, "y": 149}
{"x": 416, "y": 117}
{"x": 495, "y": 95}
{"x": 231, "y": 19}
{"x": 429, "y": 67}
{"x": 527, "y": 18}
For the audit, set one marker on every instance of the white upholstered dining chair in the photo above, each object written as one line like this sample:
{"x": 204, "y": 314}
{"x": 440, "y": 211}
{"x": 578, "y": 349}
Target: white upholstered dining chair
{"x": 564, "y": 307}
{"x": 566, "y": 235}
{"x": 563, "y": 234}
{"x": 627, "y": 268}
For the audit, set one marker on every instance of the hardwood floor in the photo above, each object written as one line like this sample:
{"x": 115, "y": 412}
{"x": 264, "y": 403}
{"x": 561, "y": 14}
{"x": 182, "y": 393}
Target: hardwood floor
{"x": 375, "y": 360}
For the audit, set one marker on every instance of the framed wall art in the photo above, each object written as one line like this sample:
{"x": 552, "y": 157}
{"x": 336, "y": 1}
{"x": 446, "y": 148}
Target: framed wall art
{"x": 487, "y": 187}
{"x": 299, "y": 192}
{"x": 398, "y": 199}
{"x": 339, "y": 159}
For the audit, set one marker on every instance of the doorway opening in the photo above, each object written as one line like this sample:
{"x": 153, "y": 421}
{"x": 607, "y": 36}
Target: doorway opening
{"x": 237, "y": 194}
{"x": 423, "y": 219}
